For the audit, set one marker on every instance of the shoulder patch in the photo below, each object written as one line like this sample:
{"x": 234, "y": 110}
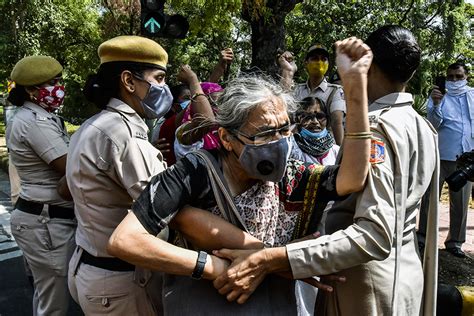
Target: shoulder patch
{"x": 377, "y": 151}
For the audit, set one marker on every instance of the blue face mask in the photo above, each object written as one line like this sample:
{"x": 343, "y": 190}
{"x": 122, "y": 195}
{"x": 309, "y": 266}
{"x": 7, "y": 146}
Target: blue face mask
{"x": 456, "y": 87}
{"x": 157, "y": 101}
{"x": 308, "y": 134}
{"x": 184, "y": 104}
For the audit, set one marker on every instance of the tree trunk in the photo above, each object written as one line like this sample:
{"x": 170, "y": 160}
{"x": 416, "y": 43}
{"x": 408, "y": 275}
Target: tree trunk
{"x": 267, "y": 39}
{"x": 268, "y": 31}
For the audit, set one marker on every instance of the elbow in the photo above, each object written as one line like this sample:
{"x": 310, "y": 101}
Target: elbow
{"x": 117, "y": 244}
{"x": 351, "y": 187}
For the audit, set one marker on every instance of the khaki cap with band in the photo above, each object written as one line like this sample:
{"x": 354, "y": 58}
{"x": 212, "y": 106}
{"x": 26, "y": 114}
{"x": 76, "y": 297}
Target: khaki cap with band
{"x": 34, "y": 70}
{"x": 133, "y": 48}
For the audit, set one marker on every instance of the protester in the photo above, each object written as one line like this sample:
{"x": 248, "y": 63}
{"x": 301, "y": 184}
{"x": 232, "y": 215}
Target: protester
{"x": 221, "y": 69}
{"x": 110, "y": 162}
{"x": 191, "y": 134}
{"x": 371, "y": 237}
{"x": 316, "y": 63}
{"x": 181, "y": 99}
{"x": 277, "y": 199}
{"x": 312, "y": 142}
{"x": 42, "y": 222}
{"x": 452, "y": 115}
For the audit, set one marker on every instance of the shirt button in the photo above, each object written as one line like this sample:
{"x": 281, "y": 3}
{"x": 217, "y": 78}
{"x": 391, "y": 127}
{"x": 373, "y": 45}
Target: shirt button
{"x": 43, "y": 221}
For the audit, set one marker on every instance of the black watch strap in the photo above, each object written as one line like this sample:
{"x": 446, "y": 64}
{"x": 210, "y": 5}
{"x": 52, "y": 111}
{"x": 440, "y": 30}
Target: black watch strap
{"x": 200, "y": 264}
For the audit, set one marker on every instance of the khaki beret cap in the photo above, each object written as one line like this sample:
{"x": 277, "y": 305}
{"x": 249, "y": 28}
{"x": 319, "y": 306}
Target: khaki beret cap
{"x": 133, "y": 48}
{"x": 33, "y": 70}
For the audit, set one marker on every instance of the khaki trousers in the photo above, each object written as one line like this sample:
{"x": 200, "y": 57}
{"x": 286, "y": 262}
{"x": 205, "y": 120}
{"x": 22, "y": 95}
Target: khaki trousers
{"x": 47, "y": 244}
{"x": 103, "y": 292}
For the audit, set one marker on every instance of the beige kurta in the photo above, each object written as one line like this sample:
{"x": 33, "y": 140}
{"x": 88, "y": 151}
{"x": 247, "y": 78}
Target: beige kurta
{"x": 371, "y": 237}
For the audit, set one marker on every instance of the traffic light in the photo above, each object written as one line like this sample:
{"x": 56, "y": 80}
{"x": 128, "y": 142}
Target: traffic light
{"x": 155, "y": 23}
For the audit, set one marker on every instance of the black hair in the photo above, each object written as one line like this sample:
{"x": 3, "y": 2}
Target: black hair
{"x": 396, "y": 52}
{"x": 308, "y": 102}
{"x": 457, "y": 65}
{"x": 177, "y": 90}
{"x": 101, "y": 87}
{"x": 18, "y": 95}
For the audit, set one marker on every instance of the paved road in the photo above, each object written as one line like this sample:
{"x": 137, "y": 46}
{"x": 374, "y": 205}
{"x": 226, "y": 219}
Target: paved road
{"x": 15, "y": 290}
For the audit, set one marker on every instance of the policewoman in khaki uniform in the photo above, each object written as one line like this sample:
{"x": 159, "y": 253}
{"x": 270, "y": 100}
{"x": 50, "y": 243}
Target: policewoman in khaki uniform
{"x": 110, "y": 163}
{"x": 371, "y": 234}
{"x": 42, "y": 223}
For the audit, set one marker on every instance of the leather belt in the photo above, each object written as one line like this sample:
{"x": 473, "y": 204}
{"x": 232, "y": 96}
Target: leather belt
{"x": 36, "y": 208}
{"x": 112, "y": 264}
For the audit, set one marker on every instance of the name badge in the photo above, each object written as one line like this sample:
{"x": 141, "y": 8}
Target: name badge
{"x": 141, "y": 135}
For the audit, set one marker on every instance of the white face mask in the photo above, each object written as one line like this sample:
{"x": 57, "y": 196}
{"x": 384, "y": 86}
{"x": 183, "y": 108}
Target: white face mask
{"x": 456, "y": 87}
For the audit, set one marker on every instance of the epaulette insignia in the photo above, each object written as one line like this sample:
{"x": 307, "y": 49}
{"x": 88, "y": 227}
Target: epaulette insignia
{"x": 377, "y": 151}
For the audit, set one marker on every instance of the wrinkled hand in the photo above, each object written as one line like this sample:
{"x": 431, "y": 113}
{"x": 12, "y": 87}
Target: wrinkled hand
{"x": 286, "y": 62}
{"x": 162, "y": 145}
{"x": 353, "y": 57}
{"x": 186, "y": 74}
{"x": 436, "y": 95}
{"x": 245, "y": 273}
{"x": 226, "y": 57}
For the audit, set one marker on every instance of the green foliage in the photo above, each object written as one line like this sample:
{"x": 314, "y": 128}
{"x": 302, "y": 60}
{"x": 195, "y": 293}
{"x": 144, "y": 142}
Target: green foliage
{"x": 71, "y": 31}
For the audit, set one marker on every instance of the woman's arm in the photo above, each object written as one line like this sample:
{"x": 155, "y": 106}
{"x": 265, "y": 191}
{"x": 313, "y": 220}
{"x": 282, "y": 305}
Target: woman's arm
{"x": 131, "y": 242}
{"x": 353, "y": 62}
{"x": 208, "y": 231}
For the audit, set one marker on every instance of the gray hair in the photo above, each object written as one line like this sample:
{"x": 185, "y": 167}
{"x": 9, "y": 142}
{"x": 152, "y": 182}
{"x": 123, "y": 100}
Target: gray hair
{"x": 244, "y": 94}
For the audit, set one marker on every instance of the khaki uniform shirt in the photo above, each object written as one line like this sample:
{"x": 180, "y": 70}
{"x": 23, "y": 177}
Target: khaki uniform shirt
{"x": 110, "y": 163}
{"x": 323, "y": 91}
{"x": 35, "y": 139}
{"x": 371, "y": 239}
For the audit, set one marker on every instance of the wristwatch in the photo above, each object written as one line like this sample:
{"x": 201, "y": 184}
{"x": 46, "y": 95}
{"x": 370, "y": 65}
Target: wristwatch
{"x": 200, "y": 264}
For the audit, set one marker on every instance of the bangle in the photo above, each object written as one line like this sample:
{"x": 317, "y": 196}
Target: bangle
{"x": 197, "y": 95}
{"x": 200, "y": 264}
{"x": 358, "y": 135}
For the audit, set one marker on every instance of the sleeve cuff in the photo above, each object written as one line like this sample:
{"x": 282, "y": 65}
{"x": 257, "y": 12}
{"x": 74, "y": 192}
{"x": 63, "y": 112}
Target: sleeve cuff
{"x": 302, "y": 265}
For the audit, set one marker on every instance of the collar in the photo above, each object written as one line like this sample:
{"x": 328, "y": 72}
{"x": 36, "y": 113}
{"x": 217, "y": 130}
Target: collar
{"x": 120, "y": 106}
{"x": 323, "y": 85}
{"x": 37, "y": 109}
{"x": 127, "y": 112}
{"x": 392, "y": 99}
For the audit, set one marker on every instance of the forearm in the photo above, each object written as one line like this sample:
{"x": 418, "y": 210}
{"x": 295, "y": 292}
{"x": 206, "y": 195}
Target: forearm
{"x": 200, "y": 104}
{"x": 355, "y": 160}
{"x": 217, "y": 73}
{"x": 132, "y": 243}
{"x": 191, "y": 132}
{"x": 434, "y": 114}
{"x": 208, "y": 231}
{"x": 341, "y": 250}
{"x": 337, "y": 127}
{"x": 286, "y": 80}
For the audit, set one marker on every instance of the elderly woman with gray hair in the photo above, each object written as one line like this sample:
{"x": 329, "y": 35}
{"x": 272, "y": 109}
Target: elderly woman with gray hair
{"x": 273, "y": 199}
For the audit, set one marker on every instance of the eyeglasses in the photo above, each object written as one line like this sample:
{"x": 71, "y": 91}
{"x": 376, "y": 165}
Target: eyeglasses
{"x": 268, "y": 136}
{"x": 307, "y": 117}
